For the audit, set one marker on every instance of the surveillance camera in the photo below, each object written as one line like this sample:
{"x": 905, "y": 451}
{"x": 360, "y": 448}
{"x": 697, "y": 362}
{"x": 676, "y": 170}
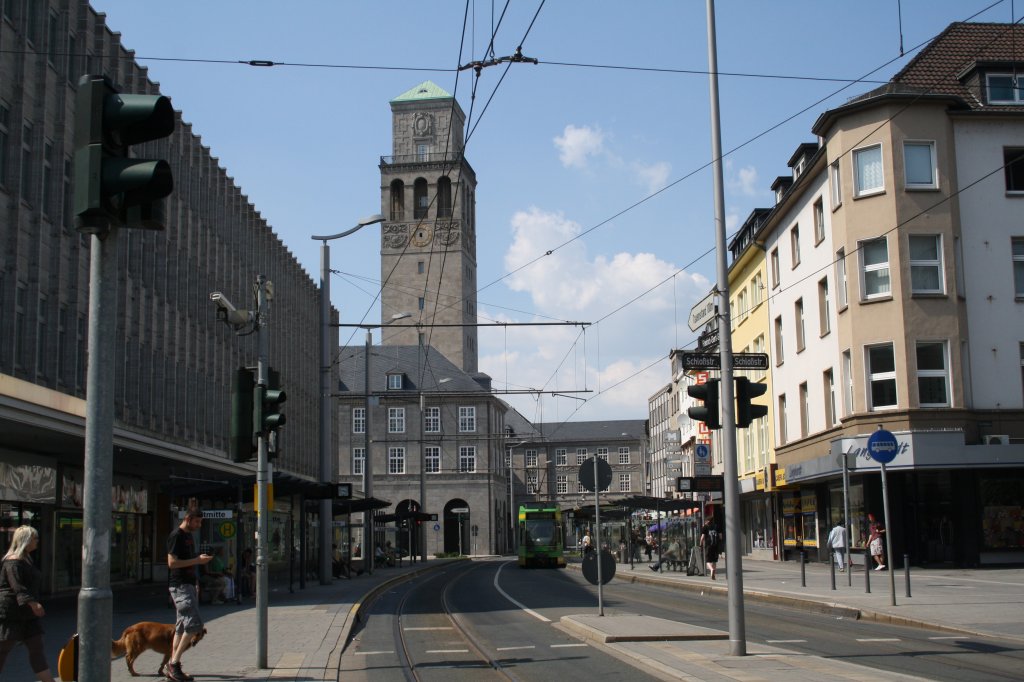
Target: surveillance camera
{"x": 222, "y": 302}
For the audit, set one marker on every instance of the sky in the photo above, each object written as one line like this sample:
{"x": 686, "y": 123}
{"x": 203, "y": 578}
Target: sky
{"x": 599, "y": 154}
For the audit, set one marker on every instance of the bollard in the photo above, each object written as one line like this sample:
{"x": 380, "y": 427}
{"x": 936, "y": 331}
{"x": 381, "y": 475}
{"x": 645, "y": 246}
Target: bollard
{"x": 867, "y": 572}
{"x": 803, "y": 570}
{"x": 906, "y": 571}
{"x": 832, "y": 571}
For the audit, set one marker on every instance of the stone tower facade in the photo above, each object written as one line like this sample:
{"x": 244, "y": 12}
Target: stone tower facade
{"x": 428, "y": 241}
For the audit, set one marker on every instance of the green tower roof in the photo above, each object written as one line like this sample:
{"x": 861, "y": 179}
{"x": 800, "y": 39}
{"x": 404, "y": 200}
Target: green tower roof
{"x": 425, "y": 90}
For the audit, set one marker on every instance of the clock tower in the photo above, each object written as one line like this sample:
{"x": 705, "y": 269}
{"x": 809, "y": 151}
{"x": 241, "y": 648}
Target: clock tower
{"x": 428, "y": 239}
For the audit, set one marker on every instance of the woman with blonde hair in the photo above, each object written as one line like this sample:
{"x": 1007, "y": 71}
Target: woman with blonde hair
{"x": 20, "y": 610}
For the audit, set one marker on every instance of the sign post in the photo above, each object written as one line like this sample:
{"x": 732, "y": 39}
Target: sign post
{"x": 882, "y": 447}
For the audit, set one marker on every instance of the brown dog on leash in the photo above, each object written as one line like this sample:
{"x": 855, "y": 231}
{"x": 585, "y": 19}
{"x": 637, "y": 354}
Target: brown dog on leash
{"x": 148, "y": 635}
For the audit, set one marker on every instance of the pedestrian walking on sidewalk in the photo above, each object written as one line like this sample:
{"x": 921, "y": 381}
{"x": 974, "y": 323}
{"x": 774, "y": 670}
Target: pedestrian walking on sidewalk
{"x": 837, "y": 541}
{"x": 710, "y": 542}
{"x": 875, "y": 542}
{"x": 182, "y": 578}
{"x": 20, "y": 610}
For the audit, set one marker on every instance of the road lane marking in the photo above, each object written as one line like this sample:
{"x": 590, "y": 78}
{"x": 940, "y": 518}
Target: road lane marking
{"x": 372, "y": 653}
{"x": 565, "y": 646}
{"x": 785, "y": 641}
{"x": 506, "y": 595}
{"x": 951, "y": 637}
{"x": 515, "y": 648}
{"x": 879, "y": 639}
{"x": 447, "y": 651}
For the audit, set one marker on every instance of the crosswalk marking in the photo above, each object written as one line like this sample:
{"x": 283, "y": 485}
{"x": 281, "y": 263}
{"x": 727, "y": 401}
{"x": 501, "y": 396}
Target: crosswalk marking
{"x": 879, "y": 639}
{"x": 565, "y": 646}
{"x": 515, "y": 648}
{"x": 447, "y": 651}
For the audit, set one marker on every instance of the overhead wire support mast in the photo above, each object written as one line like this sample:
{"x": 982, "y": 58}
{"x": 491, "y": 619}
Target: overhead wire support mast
{"x": 516, "y": 58}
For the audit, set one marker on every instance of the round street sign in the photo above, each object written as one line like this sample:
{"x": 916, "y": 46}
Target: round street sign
{"x": 607, "y": 567}
{"x": 882, "y": 446}
{"x": 604, "y": 474}
{"x": 437, "y": 527}
{"x": 702, "y": 451}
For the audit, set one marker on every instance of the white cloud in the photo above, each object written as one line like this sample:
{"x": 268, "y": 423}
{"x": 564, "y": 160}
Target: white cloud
{"x": 575, "y": 145}
{"x": 654, "y": 175}
{"x": 572, "y": 284}
{"x": 745, "y": 180}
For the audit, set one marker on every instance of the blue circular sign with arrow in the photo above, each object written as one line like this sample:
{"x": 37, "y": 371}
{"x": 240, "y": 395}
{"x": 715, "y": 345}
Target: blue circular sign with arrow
{"x": 882, "y": 446}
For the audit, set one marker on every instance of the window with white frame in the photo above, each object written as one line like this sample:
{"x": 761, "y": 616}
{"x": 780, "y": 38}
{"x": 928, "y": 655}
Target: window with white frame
{"x": 603, "y": 453}
{"x": 819, "y": 221}
{"x": 932, "y": 374}
{"x": 919, "y": 167}
{"x": 844, "y": 300}
{"x": 782, "y": 419}
{"x": 926, "y": 264}
{"x": 623, "y": 455}
{"x": 581, "y": 455}
{"x": 874, "y": 258}
{"x": 837, "y": 186}
{"x": 756, "y": 291}
{"x": 467, "y": 419}
{"x": 824, "y": 307}
{"x": 881, "y": 360}
{"x": 531, "y": 458}
{"x": 396, "y": 460}
{"x": 467, "y": 459}
{"x": 778, "y": 341}
{"x": 560, "y": 457}
{"x": 794, "y": 244}
{"x": 805, "y": 411}
{"x": 775, "y": 267}
{"x": 801, "y": 334}
{"x": 394, "y": 382}
{"x": 432, "y": 420}
{"x": 625, "y": 483}
{"x": 432, "y": 459}
{"x": 531, "y": 484}
{"x": 396, "y": 420}
{"x": 562, "y": 485}
{"x": 508, "y": 459}
{"x": 847, "y": 383}
{"x": 828, "y": 384}
{"x": 1004, "y": 88}
{"x": 358, "y": 420}
{"x": 1017, "y": 247}
{"x": 867, "y": 171}
{"x": 358, "y": 460}
{"x": 741, "y": 309}
{"x": 579, "y": 487}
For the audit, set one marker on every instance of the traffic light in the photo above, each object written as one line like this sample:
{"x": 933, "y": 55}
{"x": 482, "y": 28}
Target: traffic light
{"x": 708, "y": 413}
{"x": 242, "y": 446}
{"x": 745, "y": 392}
{"x": 271, "y": 398}
{"x": 111, "y": 188}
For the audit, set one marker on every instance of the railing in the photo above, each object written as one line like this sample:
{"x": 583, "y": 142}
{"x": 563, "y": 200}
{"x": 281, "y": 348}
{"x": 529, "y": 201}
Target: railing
{"x": 433, "y": 157}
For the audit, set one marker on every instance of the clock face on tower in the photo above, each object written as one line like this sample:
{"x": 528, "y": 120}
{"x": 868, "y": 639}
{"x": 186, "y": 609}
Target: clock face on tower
{"x": 422, "y": 236}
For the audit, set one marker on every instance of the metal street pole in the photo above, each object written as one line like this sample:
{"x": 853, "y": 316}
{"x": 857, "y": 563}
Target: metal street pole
{"x": 369, "y": 549}
{"x": 326, "y": 470}
{"x": 888, "y": 537}
{"x": 95, "y": 600}
{"x": 846, "y": 518}
{"x": 597, "y": 539}
{"x": 262, "y": 477}
{"x": 422, "y": 535}
{"x": 734, "y": 563}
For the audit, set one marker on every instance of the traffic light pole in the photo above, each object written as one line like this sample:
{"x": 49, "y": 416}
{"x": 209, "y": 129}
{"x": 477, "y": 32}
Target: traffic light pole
{"x": 262, "y": 479}
{"x": 95, "y": 600}
{"x": 733, "y": 530}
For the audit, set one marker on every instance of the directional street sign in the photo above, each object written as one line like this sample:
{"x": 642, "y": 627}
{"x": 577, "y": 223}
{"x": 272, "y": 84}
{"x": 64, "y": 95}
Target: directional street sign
{"x": 702, "y": 312}
{"x": 693, "y": 360}
{"x": 460, "y": 510}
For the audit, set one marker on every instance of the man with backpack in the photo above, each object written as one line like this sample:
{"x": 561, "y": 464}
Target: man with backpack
{"x": 710, "y": 542}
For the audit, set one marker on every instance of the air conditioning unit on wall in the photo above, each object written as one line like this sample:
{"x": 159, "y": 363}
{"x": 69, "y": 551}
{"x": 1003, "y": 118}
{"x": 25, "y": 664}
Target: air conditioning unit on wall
{"x": 1001, "y": 439}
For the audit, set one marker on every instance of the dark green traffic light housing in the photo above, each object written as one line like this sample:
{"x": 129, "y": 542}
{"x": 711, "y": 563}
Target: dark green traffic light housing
{"x": 242, "y": 445}
{"x": 111, "y": 187}
{"x": 707, "y": 413}
{"x": 745, "y": 411}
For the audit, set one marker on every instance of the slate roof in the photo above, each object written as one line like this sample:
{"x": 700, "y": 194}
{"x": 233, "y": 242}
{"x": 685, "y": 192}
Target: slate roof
{"x": 597, "y": 431}
{"x": 425, "y": 369}
{"x": 939, "y": 68}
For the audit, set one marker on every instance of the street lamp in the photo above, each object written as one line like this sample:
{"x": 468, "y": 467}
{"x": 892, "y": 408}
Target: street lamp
{"x": 367, "y": 458}
{"x": 326, "y": 506}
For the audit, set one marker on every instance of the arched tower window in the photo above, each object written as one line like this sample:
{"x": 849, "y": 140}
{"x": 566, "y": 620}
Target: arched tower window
{"x": 444, "y": 197}
{"x": 397, "y": 200}
{"x": 422, "y": 201}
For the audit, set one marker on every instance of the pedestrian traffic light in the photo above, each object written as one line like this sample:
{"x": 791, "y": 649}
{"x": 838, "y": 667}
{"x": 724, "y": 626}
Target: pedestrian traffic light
{"x": 707, "y": 413}
{"x": 112, "y": 188}
{"x": 242, "y": 447}
{"x": 745, "y": 411}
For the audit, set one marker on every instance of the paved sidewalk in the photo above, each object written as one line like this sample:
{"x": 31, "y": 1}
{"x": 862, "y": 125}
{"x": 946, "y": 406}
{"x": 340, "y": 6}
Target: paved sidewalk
{"x": 308, "y": 628}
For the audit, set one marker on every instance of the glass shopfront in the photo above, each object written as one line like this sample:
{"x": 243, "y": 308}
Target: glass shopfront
{"x": 1002, "y": 513}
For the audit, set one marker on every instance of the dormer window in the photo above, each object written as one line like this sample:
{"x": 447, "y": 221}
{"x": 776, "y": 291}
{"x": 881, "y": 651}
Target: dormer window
{"x": 1003, "y": 88}
{"x": 394, "y": 382}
